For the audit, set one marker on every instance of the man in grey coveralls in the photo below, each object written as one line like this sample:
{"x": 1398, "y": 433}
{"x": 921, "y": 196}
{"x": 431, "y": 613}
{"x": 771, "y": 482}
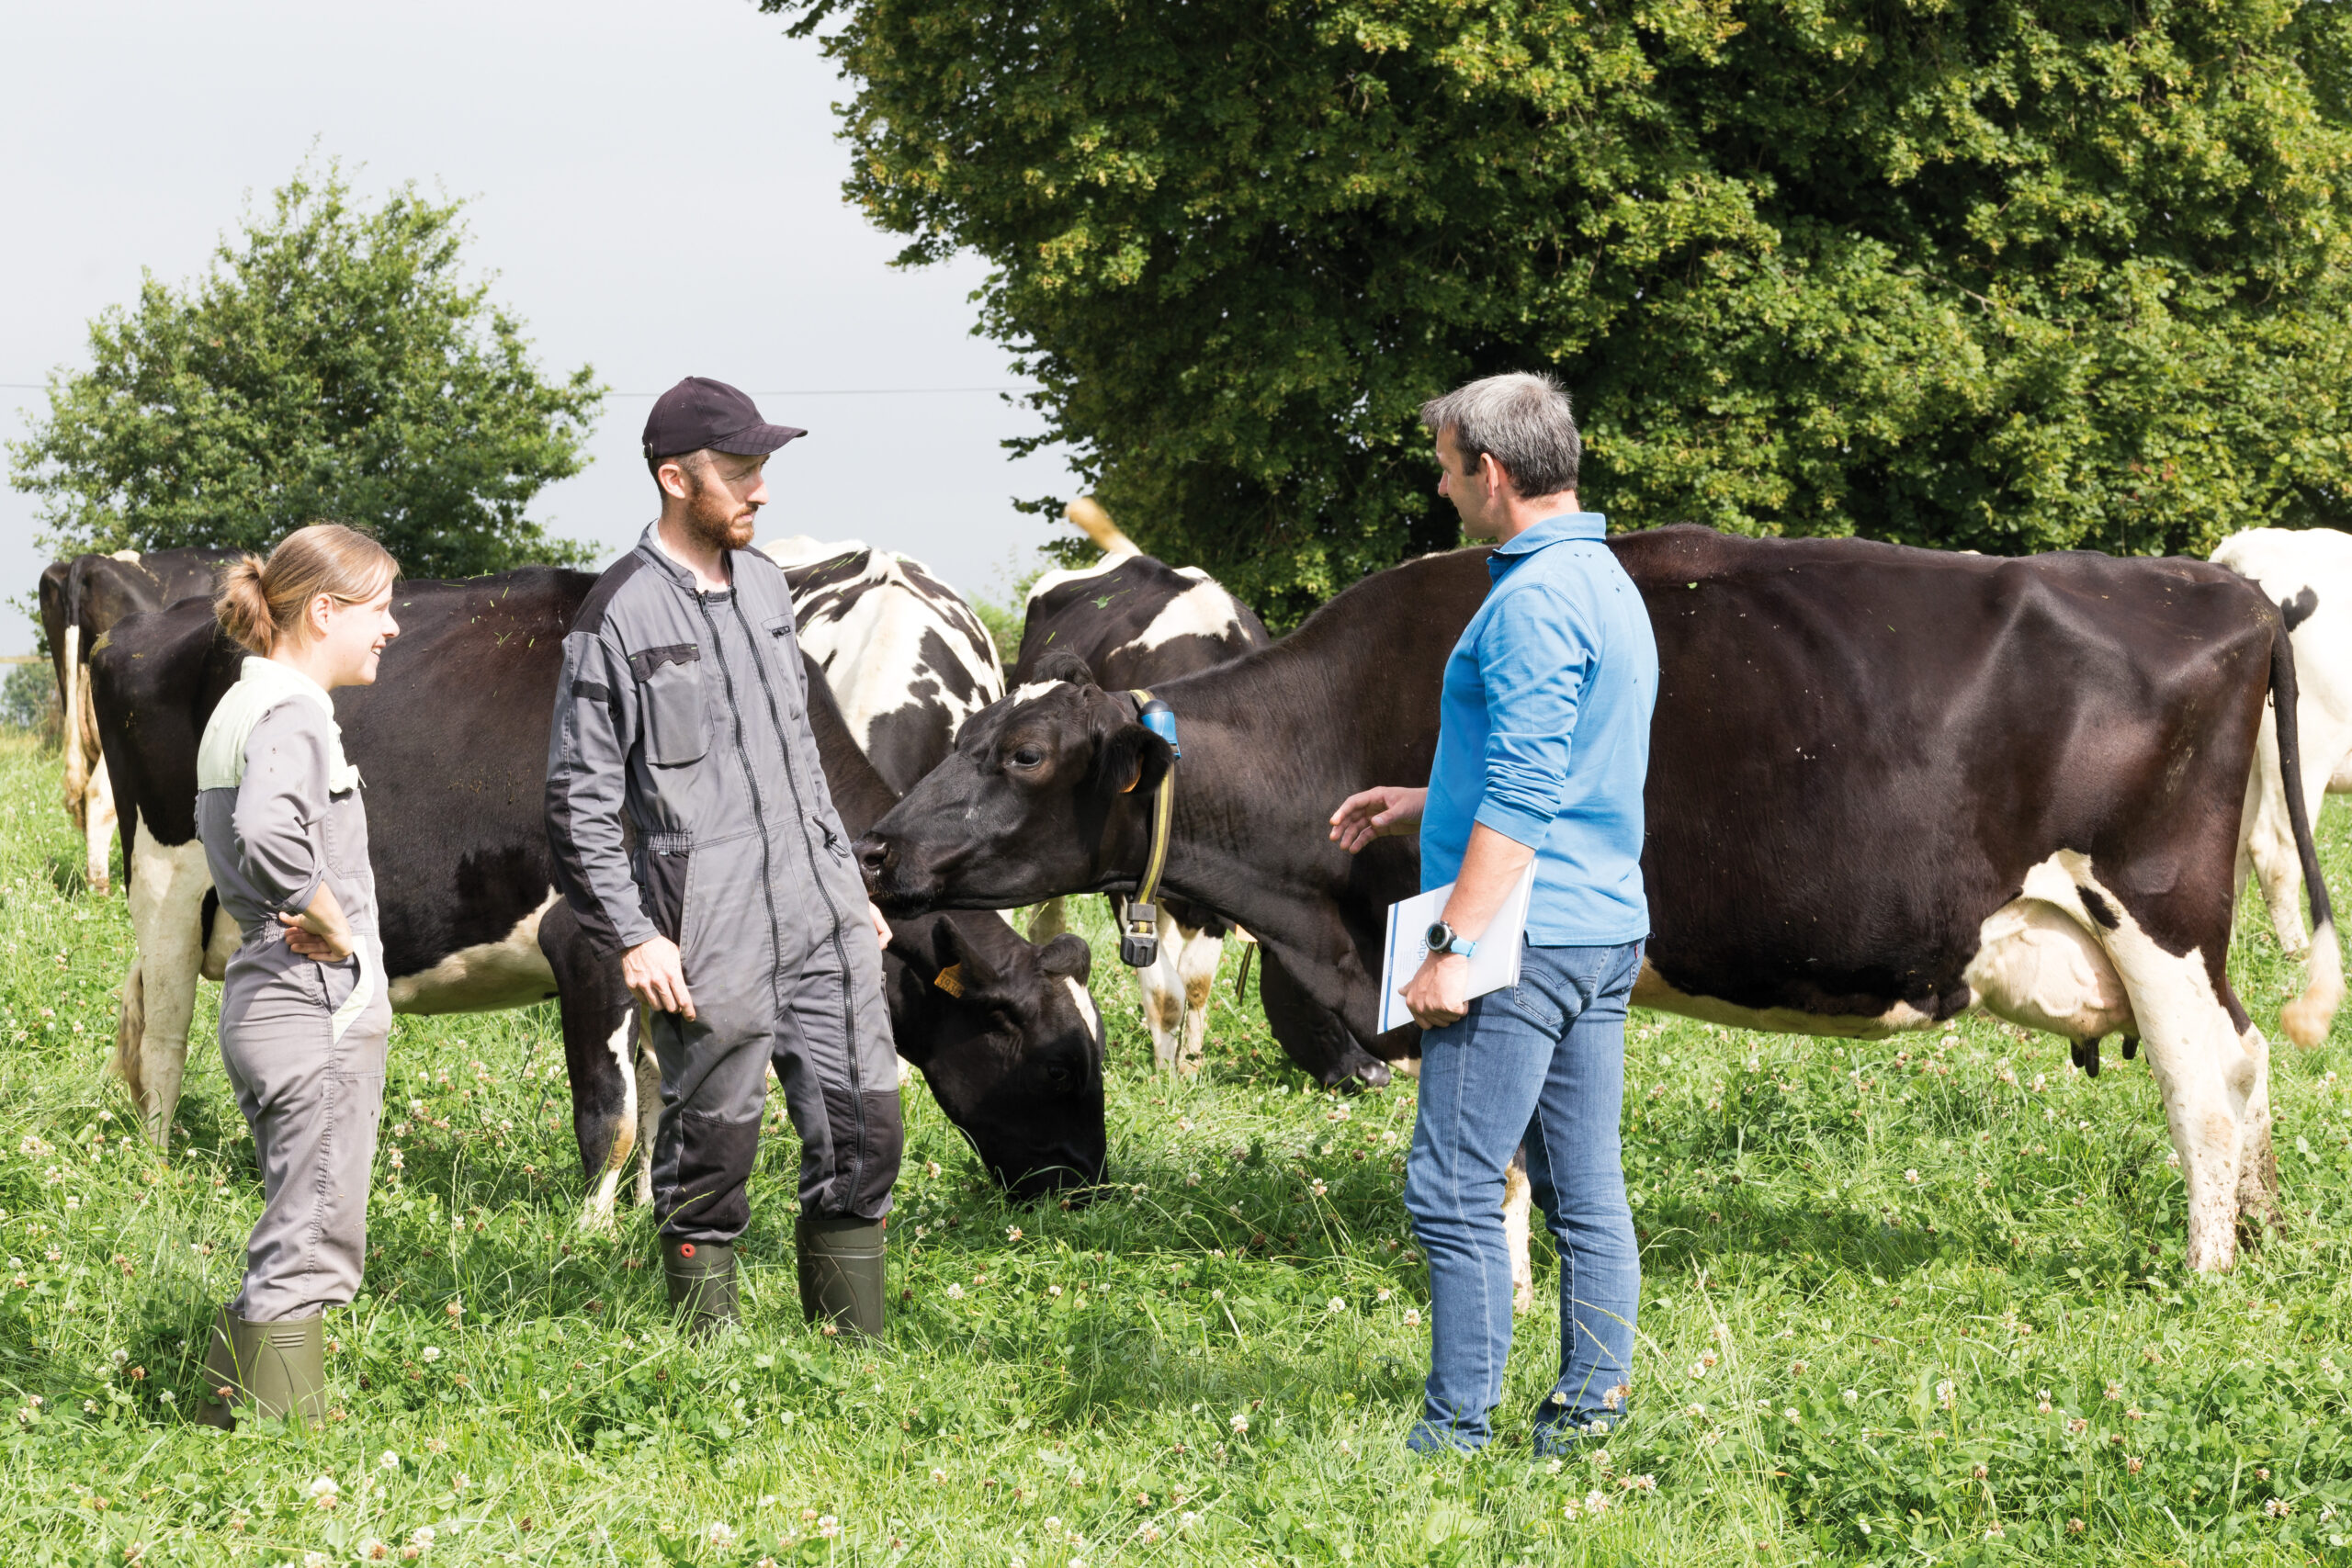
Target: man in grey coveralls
{"x": 693, "y": 832}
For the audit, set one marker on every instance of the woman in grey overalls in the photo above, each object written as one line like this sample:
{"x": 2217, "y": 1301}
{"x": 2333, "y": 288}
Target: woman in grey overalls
{"x": 304, "y": 1014}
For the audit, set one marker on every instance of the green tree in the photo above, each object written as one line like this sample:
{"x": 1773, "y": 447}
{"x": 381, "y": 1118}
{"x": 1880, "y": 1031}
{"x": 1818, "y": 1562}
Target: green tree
{"x": 2010, "y": 277}
{"x": 333, "y": 363}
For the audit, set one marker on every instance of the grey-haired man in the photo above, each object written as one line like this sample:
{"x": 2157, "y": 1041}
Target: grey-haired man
{"x": 693, "y": 832}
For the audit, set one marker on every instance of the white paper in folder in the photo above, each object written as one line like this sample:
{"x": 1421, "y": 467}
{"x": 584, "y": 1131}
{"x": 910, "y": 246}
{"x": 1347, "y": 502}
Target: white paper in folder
{"x": 1494, "y": 965}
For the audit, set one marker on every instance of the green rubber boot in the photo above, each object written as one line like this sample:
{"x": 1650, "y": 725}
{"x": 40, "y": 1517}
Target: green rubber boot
{"x": 272, "y": 1369}
{"x": 701, "y": 1276}
{"x": 843, "y": 1274}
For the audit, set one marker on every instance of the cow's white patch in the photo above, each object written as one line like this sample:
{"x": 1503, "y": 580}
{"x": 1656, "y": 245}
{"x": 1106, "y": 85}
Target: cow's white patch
{"x": 866, "y": 632}
{"x": 1203, "y": 609}
{"x": 1029, "y": 691}
{"x": 1083, "y": 1000}
{"x": 1651, "y": 990}
{"x": 486, "y": 977}
{"x": 167, "y": 887}
{"x": 645, "y": 1100}
{"x": 1054, "y": 579}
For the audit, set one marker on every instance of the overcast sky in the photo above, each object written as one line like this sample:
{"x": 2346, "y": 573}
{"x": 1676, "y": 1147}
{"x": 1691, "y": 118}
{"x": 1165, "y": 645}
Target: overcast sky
{"x": 656, "y": 187}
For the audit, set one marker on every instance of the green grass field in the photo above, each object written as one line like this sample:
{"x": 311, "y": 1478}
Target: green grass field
{"x": 1918, "y": 1300}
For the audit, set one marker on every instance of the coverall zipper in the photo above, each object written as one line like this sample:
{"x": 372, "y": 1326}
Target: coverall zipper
{"x": 751, "y": 779}
{"x": 840, "y": 954}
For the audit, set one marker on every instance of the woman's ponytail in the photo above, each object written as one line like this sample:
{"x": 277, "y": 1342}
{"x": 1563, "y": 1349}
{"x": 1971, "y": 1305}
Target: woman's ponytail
{"x": 258, "y": 601}
{"x": 241, "y": 606}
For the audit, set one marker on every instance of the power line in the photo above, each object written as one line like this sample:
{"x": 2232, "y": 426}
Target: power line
{"x": 796, "y": 392}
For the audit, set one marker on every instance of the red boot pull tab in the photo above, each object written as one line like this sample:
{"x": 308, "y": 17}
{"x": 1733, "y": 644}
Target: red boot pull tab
{"x": 686, "y": 1249}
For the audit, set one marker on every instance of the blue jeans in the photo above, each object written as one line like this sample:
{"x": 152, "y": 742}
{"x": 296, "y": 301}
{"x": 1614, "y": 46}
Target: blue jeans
{"x": 1541, "y": 1064}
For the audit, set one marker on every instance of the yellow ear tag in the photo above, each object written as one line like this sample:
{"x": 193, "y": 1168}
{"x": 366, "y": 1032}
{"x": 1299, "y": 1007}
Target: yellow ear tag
{"x": 951, "y": 980}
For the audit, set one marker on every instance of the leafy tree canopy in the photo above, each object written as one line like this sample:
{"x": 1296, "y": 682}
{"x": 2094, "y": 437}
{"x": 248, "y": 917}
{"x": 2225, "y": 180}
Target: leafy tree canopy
{"x": 2008, "y": 278}
{"x": 331, "y": 364}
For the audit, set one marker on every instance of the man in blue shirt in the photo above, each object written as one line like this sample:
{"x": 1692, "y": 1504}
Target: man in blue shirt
{"x": 1542, "y": 746}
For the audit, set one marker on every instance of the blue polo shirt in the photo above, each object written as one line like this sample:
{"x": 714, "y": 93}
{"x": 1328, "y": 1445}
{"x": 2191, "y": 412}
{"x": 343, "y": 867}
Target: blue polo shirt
{"x": 1543, "y": 733}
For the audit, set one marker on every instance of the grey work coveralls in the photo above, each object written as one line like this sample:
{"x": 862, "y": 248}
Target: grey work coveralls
{"x": 279, "y": 812}
{"x": 683, "y": 714}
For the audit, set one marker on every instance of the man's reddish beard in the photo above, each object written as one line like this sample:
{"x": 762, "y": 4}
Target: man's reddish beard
{"x": 711, "y": 515}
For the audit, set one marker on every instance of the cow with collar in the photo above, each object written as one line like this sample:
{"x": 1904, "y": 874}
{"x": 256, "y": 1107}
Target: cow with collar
{"x": 80, "y": 599}
{"x": 904, "y": 656}
{"x": 1130, "y": 622}
{"x": 452, "y": 743}
{"x": 1886, "y": 785}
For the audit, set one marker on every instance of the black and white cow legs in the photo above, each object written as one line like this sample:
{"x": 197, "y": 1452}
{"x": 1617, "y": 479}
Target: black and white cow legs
{"x": 600, "y": 1051}
{"x": 167, "y": 887}
{"x": 2257, "y": 1161}
{"x": 2213, "y": 1085}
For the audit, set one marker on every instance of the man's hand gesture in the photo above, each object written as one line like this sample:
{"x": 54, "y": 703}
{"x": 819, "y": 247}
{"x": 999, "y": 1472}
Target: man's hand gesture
{"x": 1376, "y": 812}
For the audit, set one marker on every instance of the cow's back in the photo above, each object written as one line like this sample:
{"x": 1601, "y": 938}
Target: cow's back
{"x": 1135, "y": 621}
{"x": 1896, "y": 736}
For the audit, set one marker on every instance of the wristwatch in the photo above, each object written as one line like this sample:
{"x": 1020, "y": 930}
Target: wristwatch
{"x": 1443, "y": 937}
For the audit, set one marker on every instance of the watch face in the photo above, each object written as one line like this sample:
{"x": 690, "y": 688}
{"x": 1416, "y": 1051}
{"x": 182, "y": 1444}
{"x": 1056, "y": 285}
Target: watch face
{"x": 1439, "y": 937}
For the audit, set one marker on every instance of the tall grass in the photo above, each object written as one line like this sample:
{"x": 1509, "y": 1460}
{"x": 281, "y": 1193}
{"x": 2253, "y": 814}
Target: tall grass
{"x": 1865, "y": 1264}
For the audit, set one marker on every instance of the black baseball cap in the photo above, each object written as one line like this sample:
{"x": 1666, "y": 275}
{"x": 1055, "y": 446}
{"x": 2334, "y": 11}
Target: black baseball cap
{"x": 699, "y": 412}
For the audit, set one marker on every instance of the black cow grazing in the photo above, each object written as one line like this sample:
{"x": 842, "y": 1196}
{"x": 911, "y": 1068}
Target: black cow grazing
{"x": 452, "y": 742}
{"x": 80, "y": 600}
{"x": 903, "y": 652}
{"x": 1885, "y": 785}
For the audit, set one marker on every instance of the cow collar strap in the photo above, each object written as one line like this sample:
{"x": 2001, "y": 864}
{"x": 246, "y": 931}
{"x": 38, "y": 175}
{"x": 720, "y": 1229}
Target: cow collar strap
{"x": 1139, "y": 919}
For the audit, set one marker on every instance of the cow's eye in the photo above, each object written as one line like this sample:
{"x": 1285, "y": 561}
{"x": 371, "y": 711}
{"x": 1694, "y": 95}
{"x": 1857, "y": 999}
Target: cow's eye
{"x": 1026, "y": 756}
{"x": 1060, "y": 1074}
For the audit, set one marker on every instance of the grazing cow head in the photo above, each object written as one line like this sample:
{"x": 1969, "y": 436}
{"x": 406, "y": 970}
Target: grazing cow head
{"x": 1010, "y": 1042}
{"x": 1048, "y": 792}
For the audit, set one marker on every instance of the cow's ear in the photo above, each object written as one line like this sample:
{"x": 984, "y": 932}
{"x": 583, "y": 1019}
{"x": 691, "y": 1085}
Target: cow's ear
{"x": 1063, "y": 665}
{"x": 1066, "y": 957}
{"x": 1134, "y": 759}
{"x": 968, "y": 968}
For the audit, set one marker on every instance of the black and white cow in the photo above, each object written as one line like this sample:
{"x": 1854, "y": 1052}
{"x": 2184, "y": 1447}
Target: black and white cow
{"x": 2308, "y": 573}
{"x": 1885, "y": 785}
{"x": 81, "y": 598}
{"x": 903, "y": 652}
{"x": 452, "y": 742}
{"x": 1133, "y": 621}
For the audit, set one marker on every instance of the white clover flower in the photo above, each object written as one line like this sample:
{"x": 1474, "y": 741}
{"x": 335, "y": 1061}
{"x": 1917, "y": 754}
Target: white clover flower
{"x": 1384, "y": 1293}
{"x": 431, "y": 1353}
{"x": 324, "y": 1487}
{"x": 1053, "y": 1290}
{"x": 1240, "y": 1422}
{"x": 829, "y": 1527}
{"x": 954, "y": 1293}
{"x": 422, "y": 1537}
{"x": 1412, "y": 1317}
{"x": 719, "y": 1535}
{"x": 1851, "y": 1396}
{"x": 1335, "y": 1304}
{"x": 389, "y": 1461}
{"x": 1791, "y": 1412}
{"x": 1187, "y": 1519}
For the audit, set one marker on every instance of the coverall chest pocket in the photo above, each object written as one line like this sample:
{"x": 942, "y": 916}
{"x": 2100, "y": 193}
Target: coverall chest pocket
{"x": 347, "y": 832}
{"x": 670, "y": 697}
{"x": 783, "y": 649}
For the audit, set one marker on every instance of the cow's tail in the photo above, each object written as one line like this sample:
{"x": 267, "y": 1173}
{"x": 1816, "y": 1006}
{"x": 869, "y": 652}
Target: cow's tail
{"x": 2308, "y": 1017}
{"x": 1095, "y": 523}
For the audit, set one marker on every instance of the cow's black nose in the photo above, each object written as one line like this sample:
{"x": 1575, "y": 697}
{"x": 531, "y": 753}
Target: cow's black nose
{"x": 873, "y": 857}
